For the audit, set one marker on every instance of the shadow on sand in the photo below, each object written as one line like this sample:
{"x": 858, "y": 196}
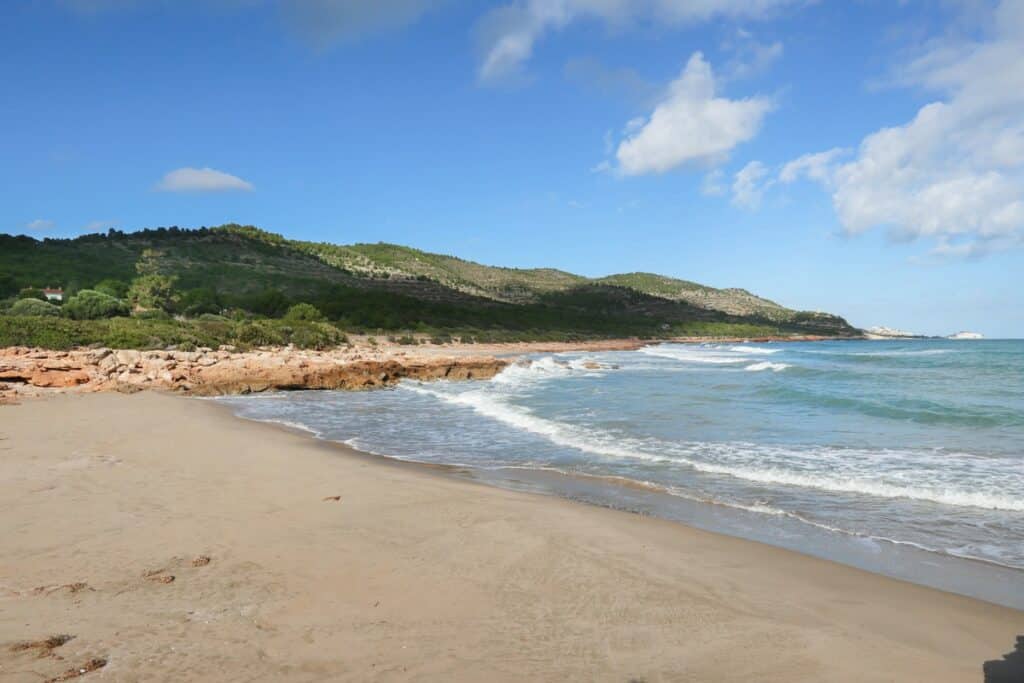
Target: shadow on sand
{"x": 1009, "y": 669}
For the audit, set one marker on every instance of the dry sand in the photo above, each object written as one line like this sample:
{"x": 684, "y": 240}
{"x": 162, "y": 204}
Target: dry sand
{"x": 409, "y": 575}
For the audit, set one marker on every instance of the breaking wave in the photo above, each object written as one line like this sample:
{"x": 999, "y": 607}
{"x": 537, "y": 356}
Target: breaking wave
{"x": 837, "y": 470}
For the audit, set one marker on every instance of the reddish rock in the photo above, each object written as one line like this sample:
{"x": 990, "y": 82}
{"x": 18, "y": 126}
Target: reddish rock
{"x": 211, "y": 373}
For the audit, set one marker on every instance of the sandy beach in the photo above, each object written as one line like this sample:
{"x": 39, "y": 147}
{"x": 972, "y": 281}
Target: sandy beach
{"x": 172, "y": 541}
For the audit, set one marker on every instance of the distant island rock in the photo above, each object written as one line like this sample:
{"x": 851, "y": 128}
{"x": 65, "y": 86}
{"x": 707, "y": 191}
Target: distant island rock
{"x": 966, "y": 335}
{"x": 890, "y": 333}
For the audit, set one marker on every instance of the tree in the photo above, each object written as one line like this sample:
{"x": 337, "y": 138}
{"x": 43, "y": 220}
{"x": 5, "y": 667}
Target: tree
{"x": 89, "y": 304}
{"x": 34, "y": 307}
{"x": 149, "y": 262}
{"x": 198, "y": 301}
{"x": 32, "y": 293}
{"x": 111, "y": 287}
{"x": 305, "y": 312}
{"x": 152, "y": 291}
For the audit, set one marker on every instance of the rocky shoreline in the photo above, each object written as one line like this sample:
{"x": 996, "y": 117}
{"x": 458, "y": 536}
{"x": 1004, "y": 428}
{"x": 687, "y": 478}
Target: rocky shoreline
{"x": 26, "y": 372}
{"x": 33, "y": 372}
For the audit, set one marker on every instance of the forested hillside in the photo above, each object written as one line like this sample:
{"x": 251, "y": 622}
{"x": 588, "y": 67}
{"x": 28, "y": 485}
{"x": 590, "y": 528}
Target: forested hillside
{"x": 240, "y": 273}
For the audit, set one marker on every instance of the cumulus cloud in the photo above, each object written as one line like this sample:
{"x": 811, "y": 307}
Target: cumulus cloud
{"x": 749, "y": 185}
{"x": 509, "y": 33}
{"x": 954, "y": 174}
{"x": 39, "y": 224}
{"x": 818, "y": 166}
{"x": 202, "y": 180}
{"x": 691, "y": 124}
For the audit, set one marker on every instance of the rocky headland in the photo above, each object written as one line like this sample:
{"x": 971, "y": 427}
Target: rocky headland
{"x": 26, "y": 372}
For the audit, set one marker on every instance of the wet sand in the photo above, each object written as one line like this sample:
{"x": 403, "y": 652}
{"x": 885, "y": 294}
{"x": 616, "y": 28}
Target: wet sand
{"x": 173, "y": 541}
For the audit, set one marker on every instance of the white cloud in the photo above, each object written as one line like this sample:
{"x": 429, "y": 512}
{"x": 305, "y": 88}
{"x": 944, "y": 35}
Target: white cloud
{"x": 39, "y": 224}
{"x": 634, "y": 125}
{"x": 818, "y": 167}
{"x": 749, "y": 185}
{"x": 954, "y": 174}
{"x": 712, "y": 185}
{"x": 96, "y": 226}
{"x": 201, "y": 180}
{"x": 508, "y": 33}
{"x": 691, "y": 124}
{"x": 750, "y": 56}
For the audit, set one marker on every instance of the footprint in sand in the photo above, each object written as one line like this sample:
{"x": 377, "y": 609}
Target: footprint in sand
{"x": 42, "y": 648}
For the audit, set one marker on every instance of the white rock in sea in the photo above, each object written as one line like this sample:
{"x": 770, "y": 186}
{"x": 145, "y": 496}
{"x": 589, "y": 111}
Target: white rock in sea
{"x": 882, "y": 332}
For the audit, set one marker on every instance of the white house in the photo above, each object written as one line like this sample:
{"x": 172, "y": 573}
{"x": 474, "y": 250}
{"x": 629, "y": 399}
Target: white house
{"x": 54, "y": 294}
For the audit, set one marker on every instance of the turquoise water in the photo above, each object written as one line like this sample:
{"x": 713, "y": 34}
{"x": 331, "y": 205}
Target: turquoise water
{"x": 917, "y": 444}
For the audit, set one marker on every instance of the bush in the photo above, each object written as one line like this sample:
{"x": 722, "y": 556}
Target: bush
{"x": 258, "y": 334}
{"x": 23, "y": 307}
{"x": 316, "y": 336}
{"x": 89, "y": 304}
{"x": 200, "y": 301}
{"x": 32, "y": 293}
{"x": 111, "y": 287}
{"x": 153, "y": 314}
{"x": 305, "y": 312}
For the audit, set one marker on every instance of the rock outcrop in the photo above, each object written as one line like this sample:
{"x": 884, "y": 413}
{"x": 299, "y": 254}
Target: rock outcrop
{"x": 207, "y": 372}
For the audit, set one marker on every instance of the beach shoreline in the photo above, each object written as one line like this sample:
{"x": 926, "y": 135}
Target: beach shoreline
{"x": 972, "y": 577}
{"x": 365, "y": 363}
{"x": 407, "y": 575}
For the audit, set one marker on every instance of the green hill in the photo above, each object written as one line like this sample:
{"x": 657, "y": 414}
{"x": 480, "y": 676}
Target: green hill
{"x": 242, "y": 271}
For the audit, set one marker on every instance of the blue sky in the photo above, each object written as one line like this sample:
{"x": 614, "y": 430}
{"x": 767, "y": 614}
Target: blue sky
{"x": 865, "y": 158}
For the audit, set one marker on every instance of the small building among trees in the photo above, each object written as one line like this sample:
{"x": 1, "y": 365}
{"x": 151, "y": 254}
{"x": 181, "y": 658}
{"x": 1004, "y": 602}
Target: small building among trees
{"x": 53, "y": 294}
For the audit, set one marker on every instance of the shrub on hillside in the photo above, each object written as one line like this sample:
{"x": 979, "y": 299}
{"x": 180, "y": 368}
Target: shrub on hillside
{"x": 258, "y": 333}
{"x": 23, "y": 307}
{"x": 305, "y": 312}
{"x": 32, "y": 293}
{"x": 152, "y": 314}
{"x": 316, "y": 336}
{"x": 89, "y": 304}
{"x": 111, "y": 287}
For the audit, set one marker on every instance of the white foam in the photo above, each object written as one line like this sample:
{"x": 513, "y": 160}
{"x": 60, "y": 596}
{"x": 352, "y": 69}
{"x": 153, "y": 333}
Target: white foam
{"x": 695, "y": 354}
{"x": 745, "y": 348}
{"x": 530, "y": 371}
{"x": 765, "y": 365}
{"x": 742, "y": 461}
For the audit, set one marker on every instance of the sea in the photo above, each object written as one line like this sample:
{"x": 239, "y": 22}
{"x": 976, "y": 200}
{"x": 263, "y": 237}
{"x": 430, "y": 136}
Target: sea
{"x": 904, "y": 458}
